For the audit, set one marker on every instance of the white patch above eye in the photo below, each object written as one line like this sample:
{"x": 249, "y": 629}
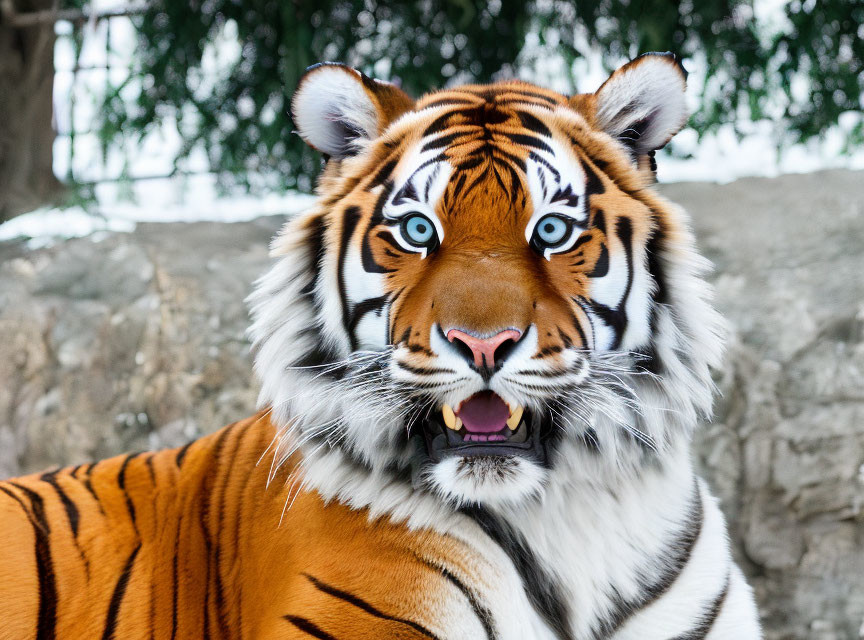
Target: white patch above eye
{"x": 556, "y": 183}
{"x": 419, "y": 192}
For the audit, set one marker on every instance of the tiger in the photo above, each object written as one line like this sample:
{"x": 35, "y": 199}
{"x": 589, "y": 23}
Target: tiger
{"x": 483, "y": 353}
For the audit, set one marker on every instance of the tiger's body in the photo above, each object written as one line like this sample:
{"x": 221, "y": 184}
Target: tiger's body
{"x": 192, "y": 543}
{"x": 483, "y": 354}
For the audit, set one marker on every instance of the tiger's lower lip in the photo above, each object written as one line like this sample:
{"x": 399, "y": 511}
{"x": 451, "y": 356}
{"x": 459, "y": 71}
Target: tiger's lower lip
{"x": 492, "y": 437}
{"x": 519, "y": 435}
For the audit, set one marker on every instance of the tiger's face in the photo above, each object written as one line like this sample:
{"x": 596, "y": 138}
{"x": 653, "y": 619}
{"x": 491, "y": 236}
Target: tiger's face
{"x": 481, "y": 297}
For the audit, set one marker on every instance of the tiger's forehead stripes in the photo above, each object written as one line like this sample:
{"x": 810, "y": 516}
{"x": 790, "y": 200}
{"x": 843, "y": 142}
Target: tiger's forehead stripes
{"x": 480, "y": 137}
{"x": 513, "y": 91}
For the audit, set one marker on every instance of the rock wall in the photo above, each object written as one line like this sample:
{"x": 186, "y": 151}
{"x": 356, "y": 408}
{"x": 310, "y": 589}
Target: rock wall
{"x": 135, "y": 341}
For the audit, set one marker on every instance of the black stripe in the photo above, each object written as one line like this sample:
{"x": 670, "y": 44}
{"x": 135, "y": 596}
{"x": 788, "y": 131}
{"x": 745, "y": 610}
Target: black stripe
{"x": 457, "y": 187}
{"x": 72, "y": 514}
{"x": 676, "y": 556}
{"x": 443, "y": 141}
{"x": 47, "y": 624}
{"x": 593, "y": 183}
{"x": 117, "y": 596}
{"x": 531, "y": 94}
{"x": 407, "y": 192}
{"x": 18, "y": 500}
{"x": 589, "y": 438}
{"x": 616, "y": 318}
{"x": 529, "y": 141}
{"x": 566, "y": 196}
{"x": 584, "y": 305}
{"x": 367, "y": 258}
{"x": 149, "y": 461}
{"x": 536, "y": 157}
{"x": 547, "y": 351}
{"x": 437, "y": 159}
{"x": 483, "y": 614}
{"x": 350, "y": 218}
{"x": 211, "y": 552}
{"x": 653, "y": 251}
{"x": 598, "y": 219}
{"x": 581, "y": 332}
{"x": 309, "y": 627}
{"x": 421, "y": 371}
{"x": 383, "y": 173}
{"x": 365, "y": 606}
{"x": 477, "y": 180}
{"x": 69, "y": 506}
{"x": 88, "y": 484}
{"x": 319, "y": 353}
{"x": 315, "y": 246}
{"x": 585, "y": 236}
{"x": 565, "y": 338}
{"x": 542, "y": 177}
{"x": 443, "y": 102}
{"x": 121, "y": 482}
{"x": 181, "y": 454}
{"x": 440, "y": 123}
{"x": 361, "y": 309}
{"x": 534, "y": 124}
{"x": 419, "y": 348}
{"x": 518, "y": 162}
{"x": 601, "y": 267}
{"x": 701, "y": 630}
{"x": 542, "y": 589}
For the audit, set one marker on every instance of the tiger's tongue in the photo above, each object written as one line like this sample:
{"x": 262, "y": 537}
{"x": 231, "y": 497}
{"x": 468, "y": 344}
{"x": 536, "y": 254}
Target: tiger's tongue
{"x": 484, "y": 412}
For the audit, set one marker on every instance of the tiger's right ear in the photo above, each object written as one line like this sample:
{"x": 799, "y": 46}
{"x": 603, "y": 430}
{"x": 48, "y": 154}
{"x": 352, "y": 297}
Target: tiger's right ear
{"x": 334, "y": 106}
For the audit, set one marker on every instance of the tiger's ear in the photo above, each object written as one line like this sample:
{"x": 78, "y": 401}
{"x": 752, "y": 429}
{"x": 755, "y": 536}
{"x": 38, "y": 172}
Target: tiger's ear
{"x": 642, "y": 103}
{"x": 335, "y": 105}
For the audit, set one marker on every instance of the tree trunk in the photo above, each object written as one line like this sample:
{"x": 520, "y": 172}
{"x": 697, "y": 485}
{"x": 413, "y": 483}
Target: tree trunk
{"x": 26, "y": 109}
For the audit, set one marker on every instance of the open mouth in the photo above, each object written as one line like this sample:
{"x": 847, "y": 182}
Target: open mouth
{"x": 484, "y": 425}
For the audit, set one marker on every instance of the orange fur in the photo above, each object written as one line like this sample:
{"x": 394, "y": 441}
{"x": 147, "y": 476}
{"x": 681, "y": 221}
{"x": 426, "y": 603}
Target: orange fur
{"x": 194, "y": 535}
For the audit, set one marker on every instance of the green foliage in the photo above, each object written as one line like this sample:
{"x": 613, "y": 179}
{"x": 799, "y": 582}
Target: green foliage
{"x": 242, "y": 120}
{"x": 826, "y": 42}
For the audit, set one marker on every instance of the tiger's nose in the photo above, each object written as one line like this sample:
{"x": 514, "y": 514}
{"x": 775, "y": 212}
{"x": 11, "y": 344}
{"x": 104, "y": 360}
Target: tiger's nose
{"x": 483, "y": 349}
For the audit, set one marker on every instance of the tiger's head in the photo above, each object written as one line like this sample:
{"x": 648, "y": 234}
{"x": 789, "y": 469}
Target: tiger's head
{"x": 488, "y": 296}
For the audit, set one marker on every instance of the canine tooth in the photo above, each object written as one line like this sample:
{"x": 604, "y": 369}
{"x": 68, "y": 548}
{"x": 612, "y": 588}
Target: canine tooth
{"x": 450, "y": 418}
{"x": 515, "y": 418}
{"x": 458, "y": 424}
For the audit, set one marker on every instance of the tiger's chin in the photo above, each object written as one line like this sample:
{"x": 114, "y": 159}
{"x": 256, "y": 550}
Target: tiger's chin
{"x": 485, "y": 452}
{"x": 492, "y": 480}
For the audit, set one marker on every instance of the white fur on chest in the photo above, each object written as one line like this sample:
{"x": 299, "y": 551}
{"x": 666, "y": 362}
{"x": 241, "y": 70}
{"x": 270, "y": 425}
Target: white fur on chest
{"x": 597, "y": 538}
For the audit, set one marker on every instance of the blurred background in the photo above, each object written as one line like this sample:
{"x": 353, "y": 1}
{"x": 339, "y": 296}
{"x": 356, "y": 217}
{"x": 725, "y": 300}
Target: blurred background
{"x": 147, "y": 157}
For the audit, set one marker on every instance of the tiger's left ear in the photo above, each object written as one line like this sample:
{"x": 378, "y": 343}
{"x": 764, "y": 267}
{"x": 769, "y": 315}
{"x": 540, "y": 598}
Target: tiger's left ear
{"x": 334, "y": 106}
{"x": 642, "y": 103}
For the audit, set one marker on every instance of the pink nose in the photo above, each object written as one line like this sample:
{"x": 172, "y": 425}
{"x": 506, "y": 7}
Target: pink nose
{"x": 483, "y": 348}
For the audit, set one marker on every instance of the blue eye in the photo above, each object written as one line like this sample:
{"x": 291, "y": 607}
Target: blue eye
{"x": 551, "y": 231}
{"x": 418, "y": 230}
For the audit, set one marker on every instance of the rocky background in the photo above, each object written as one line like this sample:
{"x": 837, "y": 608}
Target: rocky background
{"x": 133, "y": 341}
